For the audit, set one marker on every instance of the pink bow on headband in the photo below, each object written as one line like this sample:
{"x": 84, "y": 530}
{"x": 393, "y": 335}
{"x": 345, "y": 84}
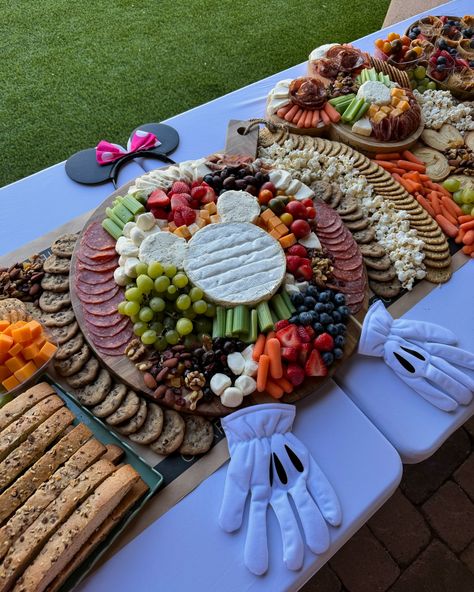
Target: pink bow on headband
{"x": 107, "y": 152}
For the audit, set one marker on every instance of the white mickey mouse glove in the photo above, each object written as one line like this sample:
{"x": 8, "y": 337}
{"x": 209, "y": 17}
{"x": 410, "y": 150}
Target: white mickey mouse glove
{"x": 422, "y": 355}
{"x": 269, "y": 464}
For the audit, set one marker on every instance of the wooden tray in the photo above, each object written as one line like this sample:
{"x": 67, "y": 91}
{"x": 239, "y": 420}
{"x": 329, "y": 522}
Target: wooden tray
{"x": 125, "y": 370}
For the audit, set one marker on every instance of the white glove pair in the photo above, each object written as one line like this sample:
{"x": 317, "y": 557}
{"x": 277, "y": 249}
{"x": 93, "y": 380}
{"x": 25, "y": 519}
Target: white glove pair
{"x": 269, "y": 464}
{"x": 422, "y": 355}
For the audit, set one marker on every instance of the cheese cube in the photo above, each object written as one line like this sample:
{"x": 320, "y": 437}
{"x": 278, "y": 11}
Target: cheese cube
{"x": 386, "y": 109}
{"x": 396, "y": 112}
{"x": 396, "y": 92}
{"x": 25, "y": 372}
{"x": 211, "y": 207}
{"x": 373, "y": 110}
{"x": 379, "y": 116}
{"x": 404, "y": 105}
{"x": 10, "y": 383}
{"x": 215, "y": 219}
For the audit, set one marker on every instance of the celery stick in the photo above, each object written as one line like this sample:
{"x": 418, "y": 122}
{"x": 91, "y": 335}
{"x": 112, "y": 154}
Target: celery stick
{"x": 229, "y": 319}
{"x": 275, "y": 318}
{"x": 114, "y": 218}
{"x": 287, "y": 300}
{"x": 215, "y": 328}
{"x": 112, "y": 228}
{"x": 121, "y": 211}
{"x": 280, "y": 307}
{"x": 361, "y": 112}
{"x": 264, "y": 317}
{"x": 341, "y": 99}
{"x": 353, "y": 108}
{"x": 241, "y": 320}
{"x": 220, "y": 327}
{"x": 133, "y": 205}
{"x": 253, "y": 332}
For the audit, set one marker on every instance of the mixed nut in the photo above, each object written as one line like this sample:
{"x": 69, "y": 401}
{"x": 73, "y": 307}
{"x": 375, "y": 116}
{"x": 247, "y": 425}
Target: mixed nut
{"x": 461, "y": 161}
{"x": 22, "y": 280}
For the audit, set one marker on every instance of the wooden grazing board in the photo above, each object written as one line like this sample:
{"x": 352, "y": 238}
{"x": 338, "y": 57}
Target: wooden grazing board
{"x": 341, "y": 132}
{"x": 125, "y": 370}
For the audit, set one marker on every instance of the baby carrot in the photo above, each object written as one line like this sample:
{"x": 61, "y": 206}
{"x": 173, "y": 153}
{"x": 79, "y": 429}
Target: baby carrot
{"x": 262, "y": 373}
{"x": 274, "y": 389}
{"x": 469, "y": 238}
{"x": 460, "y": 237}
{"x": 424, "y": 178}
{"x": 411, "y": 166}
{"x": 284, "y": 110}
{"x": 388, "y": 156}
{"x": 299, "y": 118}
{"x": 274, "y": 353}
{"x": 386, "y": 164}
{"x": 259, "y": 347}
{"x": 451, "y": 206}
{"x": 424, "y": 203}
{"x": 433, "y": 196}
{"x": 446, "y": 226}
{"x": 398, "y": 171}
{"x": 465, "y": 218}
{"x": 270, "y": 335}
{"x": 291, "y": 113}
{"x": 316, "y": 118}
{"x": 468, "y": 249}
{"x": 331, "y": 112}
{"x": 285, "y": 385}
{"x": 467, "y": 225}
{"x": 407, "y": 155}
{"x": 309, "y": 118}
{"x": 447, "y": 214}
{"x": 325, "y": 117}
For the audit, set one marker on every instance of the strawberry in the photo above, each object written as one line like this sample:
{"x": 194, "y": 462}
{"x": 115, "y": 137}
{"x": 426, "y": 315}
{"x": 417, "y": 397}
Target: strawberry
{"x": 292, "y": 263}
{"x": 315, "y": 365}
{"x": 158, "y": 199}
{"x": 302, "y": 334}
{"x": 295, "y": 374}
{"x": 288, "y": 337}
{"x": 304, "y": 352}
{"x": 308, "y": 203}
{"x": 194, "y": 204}
{"x": 324, "y": 342}
{"x": 310, "y": 331}
{"x": 177, "y": 218}
{"x": 210, "y": 196}
{"x": 180, "y": 199}
{"x": 186, "y": 214}
{"x": 159, "y": 213}
{"x": 281, "y": 324}
{"x": 289, "y": 354}
{"x": 198, "y": 192}
{"x": 179, "y": 187}
{"x": 298, "y": 250}
{"x": 196, "y": 184}
{"x": 305, "y": 271}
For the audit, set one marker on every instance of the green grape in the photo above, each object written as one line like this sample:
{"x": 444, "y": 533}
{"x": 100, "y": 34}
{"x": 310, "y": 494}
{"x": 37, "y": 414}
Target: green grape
{"x": 172, "y": 337}
{"x": 161, "y": 343}
{"x": 144, "y": 284}
{"x": 162, "y": 283}
{"x": 472, "y": 212}
{"x": 183, "y": 302}
{"x": 199, "y": 306}
{"x": 466, "y": 208}
{"x": 413, "y": 84}
{"x": 420, "y": 72}
{"x": 180, "y": 280}
{"x": 191, "y": 340}
{"x": 141, "y": 268}
{"x": 135, "y": 318}
{"x": 211, "y": 310}
{"x": 168, "y": 323}
{"x": 410, "y": 74}
{"x": 457, "y": 196}
{"x": 157, "y": 304}
{"x": 203, "y": 325}
{"x": 133, "y": 295}
{"x": 184, "y": 326}
{"x": 196, "y": 294}
{"x": 149, "y": 337}
{"x": 155, "y": 269}
{"x": 140, "y": 328}
{"x": 170, "y": 270}
{"x": 156, "y": 326}
{"x": 431, "y": 85}
{"x": 146, "y": 314}
{"x": 131, "y": 308}
{"x": 121, "y": 307}
{"x": 468, "y": 196}
{"x": 171, "y": 290}
{"x": 452, "y": 184}
{"x": 189, "y": 313}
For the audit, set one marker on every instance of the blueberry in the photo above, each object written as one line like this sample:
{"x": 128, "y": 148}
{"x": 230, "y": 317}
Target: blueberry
{"x": 341, "y": 328}
{"x": 297, "y": 298}
{"x": 441, "y": 60}
{"x": 320, "y": 307}
{"x": 315, "y": 316}
{"x": 209, "y": 180}
{"x": 318, "y": 328}
{"x": 339, "y": 341}
{"x": 294, "y": 320}
{"x": 328, "y": 358}
{"x": 331, "y": 329}
{"x": 309, "y": 301}
{"x": 338, "y": 353}
{"x": 329, "y": 307}
{"x": 336, "y": 317}
{"x": 305, "y": 318}
{"x": 325, "y": 319}
{"x": 343, "y": 311}
{"x": 301, "y": 309}
{"x": 324, "y": 296}
{"x": 312, "y": 291}
{"x": 339, "y": 299}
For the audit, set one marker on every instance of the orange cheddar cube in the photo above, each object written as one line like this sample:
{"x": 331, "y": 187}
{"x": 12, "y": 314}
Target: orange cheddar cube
{"x": 287, "y": 241}
{"x": 4, "y": 373}
{"x": 403, "y": 105}
{"x": 47, "y": 351}
{"x": 6, "y": 342}
{"x": 201, "y": 222}
{"x": 205, "y": 215}
{"x": 172, "y": 226}
{"x": 15, "y": 363}
{"x": 275, "y": 234}
{"x": 25, "y": 371}
{"x": 215, "y": 218}
{"x": 4, "y": 325}
{"x": 4, "y": 356}
{"x": 21, "y": 334}
{"x": 35, "y": 328}
{"x": 267, "y": 214}
{"x": 273, "y": 222}
{"x": 282, "y": 229}
{"x": 183, "y": 232}
{"x": 10, "y": 383}
{"x": 16, "y": 349}
{"x": 31, "y": 351}
{"x": 396, "y": 92}
{"x": 210, "y": 207}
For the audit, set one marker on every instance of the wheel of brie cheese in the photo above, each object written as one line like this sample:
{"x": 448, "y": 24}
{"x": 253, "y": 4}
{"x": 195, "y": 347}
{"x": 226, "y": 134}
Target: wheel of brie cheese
{"x": 235, "y": 263}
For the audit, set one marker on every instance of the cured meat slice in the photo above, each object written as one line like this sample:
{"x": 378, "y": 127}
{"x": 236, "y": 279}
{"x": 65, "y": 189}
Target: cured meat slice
{"x": 116, "y": 351}
{"x": 86, "y": 276}
{"x": 96, "y": 288}
{"x": 112, "y": 341}
{"x": 355, "y": 299}
{"x": 99, "y": 266}
{"x": 95, "y": 254}
{"x": 308, "y": 93}
{"x": 347, "y": 275}
{"x": 350, "y": 264}
{"x": 84, "y": 259}
{"x": 109, "y": 331}
{"x": 346, "y": 250}
{"x": 103, "y": 321}
{"x": 97, "y": 298}
{"x": 104, "y": 308}
{"x": 97, "y": 238}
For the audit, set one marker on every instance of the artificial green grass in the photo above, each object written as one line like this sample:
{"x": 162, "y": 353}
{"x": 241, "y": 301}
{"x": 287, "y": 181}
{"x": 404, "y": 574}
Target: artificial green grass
{"x": 73, "y": 72}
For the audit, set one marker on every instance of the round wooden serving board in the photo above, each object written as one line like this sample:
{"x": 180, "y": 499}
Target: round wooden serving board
{"x": 125, "y": 370}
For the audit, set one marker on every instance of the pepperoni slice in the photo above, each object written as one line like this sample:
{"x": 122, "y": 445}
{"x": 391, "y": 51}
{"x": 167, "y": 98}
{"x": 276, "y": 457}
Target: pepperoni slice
{"x": 83, "y": 258}
{"x": 349, "y": 264}
{"x": 86, "y": 276}
{"x": 108, "y": 331}
{"x": 95, "y": 254}
{"x": 106, "y": 321}
{"x": 97, "y": 238}
{"x": 95, "y": 288}
{"x": 110, "y": 342}
{"x": 347, "y": 275}
{"x": 104, "y": 308}
{"x": 99, "y": 266}
{"x": 97, "y": 298}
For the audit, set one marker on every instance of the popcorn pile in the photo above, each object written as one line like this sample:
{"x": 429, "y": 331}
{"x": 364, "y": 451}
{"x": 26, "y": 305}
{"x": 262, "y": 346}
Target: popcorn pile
{"x": 439, "y": 107}
{"x": 392, "y": 226}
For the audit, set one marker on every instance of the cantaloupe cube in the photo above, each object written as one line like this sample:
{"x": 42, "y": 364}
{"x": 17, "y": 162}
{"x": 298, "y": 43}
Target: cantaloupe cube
{"x": 4, "y": 325}
{"x": 10, "y": 383}
{"x": 205, "y": 215}
{"x": 210, "y": 207}
{"x": 215, "y": 218}
{"x": 16, "y": 349}
{"x": 267, "y": 214}
{"x": 4, "y": 356}
{"x": 18, "y": 324}
{"x": 15, "y": 363}
{"x": 35, "y": 328}
{"x": 4, "y": 373}
{"x": 25, "y": 371}
{"x": 6, "y": 342}
{"x": 31, "y": 351}
{"x": 21, "y": 334}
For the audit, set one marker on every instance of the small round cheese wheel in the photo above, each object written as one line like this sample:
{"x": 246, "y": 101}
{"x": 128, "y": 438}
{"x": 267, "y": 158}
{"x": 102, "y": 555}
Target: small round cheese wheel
{"x": 246, "y": 384}
{"x": 232, "y": 397}
{"x": 238, "y": 206}
{"x": 236, "y": 362}
{"x": 219, "y": 382}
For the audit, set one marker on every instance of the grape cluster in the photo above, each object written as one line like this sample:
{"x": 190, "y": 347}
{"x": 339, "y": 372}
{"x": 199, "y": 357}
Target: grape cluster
{"x": 165, "y": 308}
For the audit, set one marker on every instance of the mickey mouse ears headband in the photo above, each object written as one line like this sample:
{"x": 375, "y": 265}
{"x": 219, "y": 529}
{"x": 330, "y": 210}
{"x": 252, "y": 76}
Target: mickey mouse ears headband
{"x": 101, "y": 164}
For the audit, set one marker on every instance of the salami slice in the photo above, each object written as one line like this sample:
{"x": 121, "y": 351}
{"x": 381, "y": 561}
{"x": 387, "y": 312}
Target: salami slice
{"x": 99, "y": 266}
{"x": 97, "y": 298}
{"x": 347, "y": 275}
{"x": 350, "y": 264}
{"x": 97, "y": 238}
{"x": 112, "y": 341}
{"x": 354, "y": 299}
{"x": 108, "y": 331}
{"x": 95, "y": 288}
{"x": 104, "y": 308}
{"x": 86, "y": 276}
{"x": 106, "y": 321}
{"x": 116, "y": 351}
{"x": 95, "y": 254}
{"x": 84, "y": 259}
{"x": 345, "y": 251}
